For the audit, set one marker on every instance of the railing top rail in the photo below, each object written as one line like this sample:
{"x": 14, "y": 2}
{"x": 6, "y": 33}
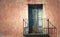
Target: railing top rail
{"x": 24, "y": 20}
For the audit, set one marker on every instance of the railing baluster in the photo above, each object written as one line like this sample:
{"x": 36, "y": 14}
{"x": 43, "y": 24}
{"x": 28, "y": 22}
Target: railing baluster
{"x": 48, "y": 26}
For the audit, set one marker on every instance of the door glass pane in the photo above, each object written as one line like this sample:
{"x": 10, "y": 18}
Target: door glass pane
{"x": 39, "y": 17}
{"x": 40, "y": 25}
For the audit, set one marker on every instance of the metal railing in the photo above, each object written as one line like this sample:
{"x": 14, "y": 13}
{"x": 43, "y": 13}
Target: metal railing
{"x": 50, "y": 29}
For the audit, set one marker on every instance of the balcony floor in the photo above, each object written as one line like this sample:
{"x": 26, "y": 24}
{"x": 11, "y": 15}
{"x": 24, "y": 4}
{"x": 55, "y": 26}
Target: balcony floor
{"x": 36, "y": 35}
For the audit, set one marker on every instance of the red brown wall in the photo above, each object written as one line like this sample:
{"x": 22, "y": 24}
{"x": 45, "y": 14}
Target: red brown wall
{"x": 52, "y": 11}
{"x": 12, "y": 13}
{"x": 11, "y": 18}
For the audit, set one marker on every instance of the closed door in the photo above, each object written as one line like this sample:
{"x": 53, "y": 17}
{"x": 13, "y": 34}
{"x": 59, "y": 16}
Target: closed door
{"x": 35, "y": 18}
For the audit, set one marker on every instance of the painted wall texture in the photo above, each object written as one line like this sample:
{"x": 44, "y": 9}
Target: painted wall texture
{"x": 12, "y": 13}
{"x": 51, "y": 10}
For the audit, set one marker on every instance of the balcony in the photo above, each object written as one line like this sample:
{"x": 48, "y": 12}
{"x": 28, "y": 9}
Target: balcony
{"x": 48, "y": 30}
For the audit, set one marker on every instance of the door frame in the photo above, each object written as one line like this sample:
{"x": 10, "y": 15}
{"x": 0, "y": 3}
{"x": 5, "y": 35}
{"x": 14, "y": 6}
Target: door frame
{"x": 28, "y": 12}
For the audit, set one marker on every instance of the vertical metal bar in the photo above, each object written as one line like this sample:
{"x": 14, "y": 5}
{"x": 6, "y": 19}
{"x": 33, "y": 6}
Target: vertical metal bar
{"x": 48, "y": 26}
{"x": 23, "y": 26}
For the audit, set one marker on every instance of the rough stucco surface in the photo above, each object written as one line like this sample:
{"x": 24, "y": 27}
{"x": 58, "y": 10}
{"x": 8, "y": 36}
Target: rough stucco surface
{"x": 12, "y": 13}
{"x": 11, "y": 18}
{"x": 51, "y": 9}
